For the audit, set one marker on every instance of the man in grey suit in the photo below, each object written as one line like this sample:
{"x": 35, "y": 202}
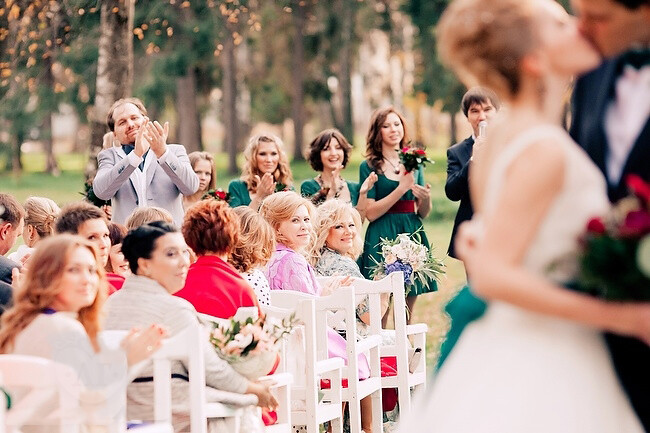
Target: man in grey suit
{"x": 143, "y": 170}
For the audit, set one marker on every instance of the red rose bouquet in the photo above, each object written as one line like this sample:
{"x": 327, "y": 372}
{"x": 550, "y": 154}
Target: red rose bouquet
{"x": 412, "y": 158}
{"x": 616, "y": 256}
{"x": 217, "y": 194}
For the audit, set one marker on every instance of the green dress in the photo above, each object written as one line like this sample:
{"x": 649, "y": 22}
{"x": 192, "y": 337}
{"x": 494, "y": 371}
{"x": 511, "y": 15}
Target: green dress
{"x": 239, "y": 195}
{"x": 390, "y": 225}
{"x": 310, "y": 187}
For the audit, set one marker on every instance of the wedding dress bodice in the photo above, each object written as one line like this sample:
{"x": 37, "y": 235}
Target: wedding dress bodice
{"x": 553, "y": 252}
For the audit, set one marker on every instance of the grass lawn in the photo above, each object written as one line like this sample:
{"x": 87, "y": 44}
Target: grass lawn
{"x": 66, "y": 188}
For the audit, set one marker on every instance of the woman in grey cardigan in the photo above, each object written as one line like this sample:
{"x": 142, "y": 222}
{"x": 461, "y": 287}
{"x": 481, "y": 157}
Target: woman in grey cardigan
{"x": 158, "y": 259}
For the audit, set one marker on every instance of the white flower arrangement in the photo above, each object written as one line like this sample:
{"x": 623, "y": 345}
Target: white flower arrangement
{"x": 407, "y": 254}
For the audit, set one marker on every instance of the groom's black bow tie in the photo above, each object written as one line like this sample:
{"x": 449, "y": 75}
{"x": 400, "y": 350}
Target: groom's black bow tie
{"x": 128, "y": 148}
{"x": 636, "y": 58}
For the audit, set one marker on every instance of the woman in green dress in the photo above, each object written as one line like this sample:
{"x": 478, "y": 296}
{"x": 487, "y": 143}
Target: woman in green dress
{"x": 399, "y": 200}
{"x": 265, "y": 171}
{"x": 329, "y": 153}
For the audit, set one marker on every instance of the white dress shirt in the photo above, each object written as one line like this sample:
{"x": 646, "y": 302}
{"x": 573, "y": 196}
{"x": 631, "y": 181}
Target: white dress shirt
{"x": 625, "y": 118}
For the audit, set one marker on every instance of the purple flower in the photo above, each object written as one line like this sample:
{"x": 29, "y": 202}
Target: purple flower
{"x": 399, "y": 266}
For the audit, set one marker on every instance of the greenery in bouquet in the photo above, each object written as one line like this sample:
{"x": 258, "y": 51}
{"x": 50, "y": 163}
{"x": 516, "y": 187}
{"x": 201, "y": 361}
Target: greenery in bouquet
{"x": 412, "y": 158}
{"x": 241, "y": 338}
{"x": 406, "y": 253}
{"x": 615, "y": 261}
{"x": 280, "y": 187}
{"x": 216, "y": 194}
{"x": 90, "y": 196}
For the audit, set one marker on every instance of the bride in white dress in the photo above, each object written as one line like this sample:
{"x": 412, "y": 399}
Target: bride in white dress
{"x": 536, "y": 361}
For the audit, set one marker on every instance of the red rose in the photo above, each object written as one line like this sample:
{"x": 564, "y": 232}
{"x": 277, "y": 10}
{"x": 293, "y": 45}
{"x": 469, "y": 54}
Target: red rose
{"x": 420, "y": 152}
{"x": 220, "y": 193}
{"x": 596, "y": 225}
{"x": 405, "y": 149}
{"x": 639, "y": 187}
{"x": 636, "y": 223}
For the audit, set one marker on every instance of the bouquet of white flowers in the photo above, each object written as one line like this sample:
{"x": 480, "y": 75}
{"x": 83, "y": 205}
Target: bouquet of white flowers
{"x": 407, "y": 254}
{"x": 251, "y": 345}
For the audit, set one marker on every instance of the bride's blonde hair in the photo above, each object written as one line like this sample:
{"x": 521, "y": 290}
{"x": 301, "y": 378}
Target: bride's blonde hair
{"x": 484, "y": 41}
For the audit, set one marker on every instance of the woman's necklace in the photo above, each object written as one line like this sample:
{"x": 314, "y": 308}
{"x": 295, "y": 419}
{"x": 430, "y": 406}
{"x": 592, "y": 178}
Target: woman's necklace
{"x": 396, "y": 169}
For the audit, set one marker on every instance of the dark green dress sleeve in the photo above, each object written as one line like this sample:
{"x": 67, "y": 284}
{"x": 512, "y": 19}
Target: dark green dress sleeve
{"x": 364, "y": 172}
{"x": 239, "y": 195}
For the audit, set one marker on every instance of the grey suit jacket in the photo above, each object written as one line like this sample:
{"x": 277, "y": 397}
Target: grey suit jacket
{"x": 166, "y": 182}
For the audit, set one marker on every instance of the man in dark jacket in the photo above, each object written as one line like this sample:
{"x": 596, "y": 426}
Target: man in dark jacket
{"x": 11, "y": 226}
{"x": 479, "y": 105}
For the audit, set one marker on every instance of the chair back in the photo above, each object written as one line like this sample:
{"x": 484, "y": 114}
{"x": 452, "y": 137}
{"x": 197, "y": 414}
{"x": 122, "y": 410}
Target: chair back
{"x": 43, "y": 392}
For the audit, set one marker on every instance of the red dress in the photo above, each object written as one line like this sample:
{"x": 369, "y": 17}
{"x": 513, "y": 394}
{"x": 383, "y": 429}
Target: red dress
{"x": 215, "y": 288}
{"x": 115, "y": 282}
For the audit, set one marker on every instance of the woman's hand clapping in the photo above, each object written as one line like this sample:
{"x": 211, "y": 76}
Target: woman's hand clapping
{"x": 140, "y": 345}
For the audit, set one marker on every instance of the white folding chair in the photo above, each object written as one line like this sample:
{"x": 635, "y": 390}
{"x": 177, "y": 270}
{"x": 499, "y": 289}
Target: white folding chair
{"x": 185, "y": 346}
{"x": 338, "y": 311}
{"x": 408, "y": 376}
{"x": 45, "y": 393}
{"x": 309, "y": 408}
{"x": 281, "y": 380}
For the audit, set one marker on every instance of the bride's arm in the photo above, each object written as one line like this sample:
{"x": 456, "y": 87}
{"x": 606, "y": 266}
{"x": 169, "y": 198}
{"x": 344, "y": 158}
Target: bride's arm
{"x": 495, "y": 262}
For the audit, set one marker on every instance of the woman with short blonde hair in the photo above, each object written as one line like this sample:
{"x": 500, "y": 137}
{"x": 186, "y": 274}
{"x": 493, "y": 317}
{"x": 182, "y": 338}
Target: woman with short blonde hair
{"x": 253, "y": 251}
{"x": 40, "y": 213}
{"x": 265, "y": 171}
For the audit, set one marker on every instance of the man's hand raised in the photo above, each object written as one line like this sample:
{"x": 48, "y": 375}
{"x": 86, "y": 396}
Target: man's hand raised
{"x": 141, "y": 143}
{"x": 157, "y": 134}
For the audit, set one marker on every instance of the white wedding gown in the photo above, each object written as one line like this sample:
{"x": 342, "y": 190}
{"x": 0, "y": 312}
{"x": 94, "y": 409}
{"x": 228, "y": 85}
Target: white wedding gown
{"x": 515, "y": 371}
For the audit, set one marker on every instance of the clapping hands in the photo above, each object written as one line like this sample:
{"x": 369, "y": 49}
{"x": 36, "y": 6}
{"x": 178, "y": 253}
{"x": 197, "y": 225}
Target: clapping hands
{"x": 140, "y": 345}
{"x": 152, "y": 135}
{"x": 265, "y": 185}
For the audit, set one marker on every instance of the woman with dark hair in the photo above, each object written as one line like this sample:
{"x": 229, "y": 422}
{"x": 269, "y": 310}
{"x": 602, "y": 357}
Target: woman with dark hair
{"x": 398, "y": 201}
{"x": 213, "y": 285}
{"x": 265, "y": 171}
{"x": 203, "y": 165}
{"x": 329, "y": 153}
{"x": 158, "y": 258}
{"x": 117, "y": 268}
{"x": 56, "y": 315}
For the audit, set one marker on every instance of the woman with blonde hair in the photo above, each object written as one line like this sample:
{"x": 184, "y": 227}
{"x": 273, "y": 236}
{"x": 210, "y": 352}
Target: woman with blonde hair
{"x": 266, "y": 171}
{"x": 203, "y": 165}
{"x": 253, "y": 251}
{"x": 536, "y": 361}
{"x": 57, "y": 315}
{"x": 291, "y": 215}
{"x": 40, "y": 213}
{"x": 147, "y": 214}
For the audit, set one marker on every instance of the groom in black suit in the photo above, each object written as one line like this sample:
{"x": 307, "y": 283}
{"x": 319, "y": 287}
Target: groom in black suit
{"x": 611, "y": 121}
{"x": 478, "y": 104}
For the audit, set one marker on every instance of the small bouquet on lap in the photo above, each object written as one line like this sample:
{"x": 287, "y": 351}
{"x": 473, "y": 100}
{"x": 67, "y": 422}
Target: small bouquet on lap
{"x": 408, "y": 255}
{"x": 615, "y": 261}
{"x": 250, "y": 345}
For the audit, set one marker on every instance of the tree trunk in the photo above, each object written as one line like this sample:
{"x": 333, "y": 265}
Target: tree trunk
{"x": 297, "y": 78}
{"x": 453, "y": 131}
{"x": 114, "y": 69}
{"x": 230, "y": 121}
{"x": 188, "y": 123}
{"x": 50, "y": 106}
{"x": 347, "y": 30}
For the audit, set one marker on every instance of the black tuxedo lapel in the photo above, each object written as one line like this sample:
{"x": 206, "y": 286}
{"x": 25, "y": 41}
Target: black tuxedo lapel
{"x": 602, "y": 91}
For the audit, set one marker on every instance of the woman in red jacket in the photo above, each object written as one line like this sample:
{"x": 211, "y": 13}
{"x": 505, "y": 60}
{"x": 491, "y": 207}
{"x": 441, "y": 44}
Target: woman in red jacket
{"x": 213, "y": 285}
